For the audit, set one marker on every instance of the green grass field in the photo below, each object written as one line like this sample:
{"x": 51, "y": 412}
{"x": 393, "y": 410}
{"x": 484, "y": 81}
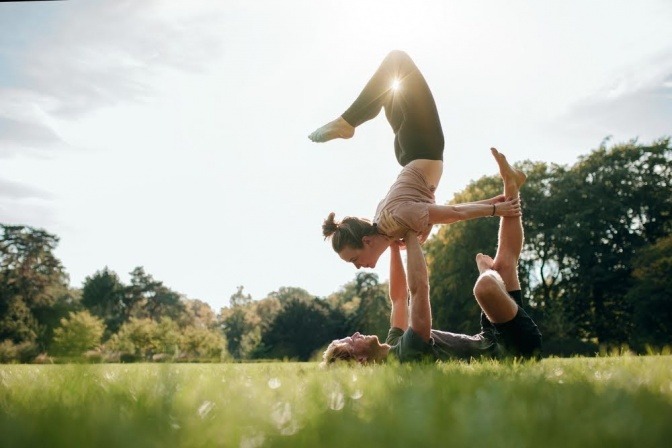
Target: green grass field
{"x": 578, "y": 402}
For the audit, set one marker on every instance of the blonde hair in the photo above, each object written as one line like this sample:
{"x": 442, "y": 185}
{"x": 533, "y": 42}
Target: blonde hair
{"x": 338, "y": 351}
{"x": 348, "y": 232}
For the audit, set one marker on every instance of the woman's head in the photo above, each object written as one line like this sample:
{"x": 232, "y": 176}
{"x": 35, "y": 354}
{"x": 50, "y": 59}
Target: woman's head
{"x": 356, "y": 240}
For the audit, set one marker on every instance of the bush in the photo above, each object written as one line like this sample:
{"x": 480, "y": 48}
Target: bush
{"x": 23, "y": 352}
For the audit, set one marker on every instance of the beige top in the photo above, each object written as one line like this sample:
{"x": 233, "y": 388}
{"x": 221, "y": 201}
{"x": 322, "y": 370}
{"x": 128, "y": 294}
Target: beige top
{"x": 406, "y": 206}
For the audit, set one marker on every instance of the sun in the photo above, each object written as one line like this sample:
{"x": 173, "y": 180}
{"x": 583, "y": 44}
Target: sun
{"x": 396, "y": 84}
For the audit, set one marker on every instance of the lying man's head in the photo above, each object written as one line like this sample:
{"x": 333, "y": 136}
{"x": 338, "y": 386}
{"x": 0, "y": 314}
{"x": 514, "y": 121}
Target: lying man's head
{"x": 363, "y": 349}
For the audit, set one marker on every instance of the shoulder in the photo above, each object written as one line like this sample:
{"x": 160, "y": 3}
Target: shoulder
{"x": 393, "y": 335}
{"x": 410, "y": 346}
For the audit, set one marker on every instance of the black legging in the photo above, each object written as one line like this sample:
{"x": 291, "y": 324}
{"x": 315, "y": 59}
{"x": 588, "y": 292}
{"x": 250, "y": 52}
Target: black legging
{"x": 410, "y": 109}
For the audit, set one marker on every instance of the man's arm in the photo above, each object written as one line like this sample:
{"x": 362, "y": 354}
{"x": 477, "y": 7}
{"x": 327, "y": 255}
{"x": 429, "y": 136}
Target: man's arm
{"x": 418, "y": 283}
{"x": 398, "y": 290}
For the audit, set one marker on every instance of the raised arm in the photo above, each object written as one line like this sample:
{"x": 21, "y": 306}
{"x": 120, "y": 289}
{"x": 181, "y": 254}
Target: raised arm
{"x": 398, "y": 290}
{"x": 418, "y": 283}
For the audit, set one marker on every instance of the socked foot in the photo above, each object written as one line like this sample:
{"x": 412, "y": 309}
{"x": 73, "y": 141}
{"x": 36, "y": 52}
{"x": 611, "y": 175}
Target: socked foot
{"x": 508, "y": 173}
{"x": 484, "y": 262}
{"x": 339, "y": 128}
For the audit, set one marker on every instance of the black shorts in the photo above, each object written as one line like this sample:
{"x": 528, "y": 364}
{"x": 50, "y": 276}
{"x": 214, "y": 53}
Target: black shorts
{"x": 520, "y": 336}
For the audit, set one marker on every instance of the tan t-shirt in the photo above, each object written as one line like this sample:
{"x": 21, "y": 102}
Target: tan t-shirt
{"x": 406, "y": 206}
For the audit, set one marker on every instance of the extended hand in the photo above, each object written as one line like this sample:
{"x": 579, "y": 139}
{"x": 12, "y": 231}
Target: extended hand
{"x": 496, "y": 200}
{"x": 508, "y": 208}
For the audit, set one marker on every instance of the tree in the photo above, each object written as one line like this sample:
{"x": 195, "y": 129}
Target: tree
{"x": 450, "y": 258}
{"x": 103, "y": 296}
{"x": 615, "y": 202}
{"x": 200, "y": 343}
{"x": 372, "y": 313}
{"x": 240, "y": 325}
{"x": 78, "y": 333}
{"x": 651, "y": 295}
{"x": 33, "y": 285}
{"x": 135, "y": 337}
{"x": 299, "y": 329}
{"x": 584, "y": 226}
{"x": 149, "y": 298}
{"x": 200, "y": 313}
{"x": 239, "y": 298}
{"x": 236, "y": 326}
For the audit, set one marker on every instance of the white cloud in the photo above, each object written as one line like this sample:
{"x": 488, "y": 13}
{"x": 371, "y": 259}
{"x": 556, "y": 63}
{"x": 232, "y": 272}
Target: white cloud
{"x": 637, "y": 103}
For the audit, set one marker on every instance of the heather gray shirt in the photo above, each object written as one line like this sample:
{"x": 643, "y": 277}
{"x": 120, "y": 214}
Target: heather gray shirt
{"x": 442, "y": 345}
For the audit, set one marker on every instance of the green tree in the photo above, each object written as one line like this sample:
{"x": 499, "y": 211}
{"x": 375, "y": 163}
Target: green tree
{"x": 239, "y": 298}
{"x": 79, "y": 332}
{"x": 148, "y": 298}
{"x": 651, "y": 295}
{"x": 199, "y": 343}
{"x": 616, "y": 201}
{"x": 236, "y": 324}
{"x": 103, "y": 296}
{"x": 239, "y": 326}
{"x": 299, "y": 329}
{"x": 371, "y": 315}
{"x": 199, "y": 314}
{"x": 34, "y": 290}
{"x": 135, "y": 337}
{"x": 450, "y": 258}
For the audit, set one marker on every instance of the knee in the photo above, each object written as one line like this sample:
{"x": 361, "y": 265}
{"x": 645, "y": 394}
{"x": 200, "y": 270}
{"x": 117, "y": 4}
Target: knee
{"x": 486, "y": 285}
{"x": 398, "y": 55}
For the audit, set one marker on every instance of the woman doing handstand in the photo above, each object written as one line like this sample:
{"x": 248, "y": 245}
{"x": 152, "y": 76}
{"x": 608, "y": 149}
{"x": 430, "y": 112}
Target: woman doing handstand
{"x": 399, "y": 88}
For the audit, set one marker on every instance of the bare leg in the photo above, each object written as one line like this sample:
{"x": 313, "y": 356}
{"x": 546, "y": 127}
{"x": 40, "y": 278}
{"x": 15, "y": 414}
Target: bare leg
{"x": 398, "y": 87}
{"x": 499, "y": 276}
{"x": 510, "y": 228}
{"x": 491, "y": 292}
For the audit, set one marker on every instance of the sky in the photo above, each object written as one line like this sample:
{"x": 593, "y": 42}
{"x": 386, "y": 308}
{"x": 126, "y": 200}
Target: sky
{"x": 173, "y": 135}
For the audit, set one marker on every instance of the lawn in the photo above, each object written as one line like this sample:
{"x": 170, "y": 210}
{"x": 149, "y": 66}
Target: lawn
{"x": 579, "y": 402}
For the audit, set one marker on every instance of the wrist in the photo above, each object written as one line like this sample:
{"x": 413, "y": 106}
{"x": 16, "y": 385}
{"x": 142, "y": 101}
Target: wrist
{"x": 494, "y": 209}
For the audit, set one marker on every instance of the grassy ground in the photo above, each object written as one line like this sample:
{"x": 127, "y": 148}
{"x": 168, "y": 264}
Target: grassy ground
{"x": 578, "y": 402}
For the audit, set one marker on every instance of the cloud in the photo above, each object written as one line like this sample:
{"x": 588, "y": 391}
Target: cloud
{"x": 21, "y": 204}
{"x": 96, "y": 54}
{"x": 636, "y": 104}
{"x": 105, "y": 52}
{"x": 15, "y": 190}
{"x": 24, "y": 122}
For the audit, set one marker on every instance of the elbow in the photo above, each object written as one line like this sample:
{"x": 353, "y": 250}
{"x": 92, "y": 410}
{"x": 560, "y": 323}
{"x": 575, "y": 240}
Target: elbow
{"x": 420, "y": 291}
{"x": 399, "y": 298}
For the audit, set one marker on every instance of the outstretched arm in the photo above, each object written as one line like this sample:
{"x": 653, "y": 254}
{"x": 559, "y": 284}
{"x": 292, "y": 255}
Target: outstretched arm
{"x": 447, "y": 214}
{"x": 493, "y": 200}
{"x": 418, "y": 283}
{"x": 398, "y": 289}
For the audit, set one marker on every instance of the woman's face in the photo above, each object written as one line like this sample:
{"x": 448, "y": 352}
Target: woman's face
{"x": 366, "y": 257}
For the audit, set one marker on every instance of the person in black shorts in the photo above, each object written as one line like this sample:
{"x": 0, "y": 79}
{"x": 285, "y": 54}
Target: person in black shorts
{"x": 398, "y": 87}
{"x": 506, "y": 329}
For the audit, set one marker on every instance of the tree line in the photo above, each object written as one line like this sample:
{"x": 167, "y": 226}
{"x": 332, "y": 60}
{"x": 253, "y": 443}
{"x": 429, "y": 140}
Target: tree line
{"x": 596, "y": 267}
{"x": 43, "y": 319}
{"x": 596, "y": 270}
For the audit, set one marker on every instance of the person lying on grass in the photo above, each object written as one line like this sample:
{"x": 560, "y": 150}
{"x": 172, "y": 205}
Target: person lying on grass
{"x": 506, "y": 329}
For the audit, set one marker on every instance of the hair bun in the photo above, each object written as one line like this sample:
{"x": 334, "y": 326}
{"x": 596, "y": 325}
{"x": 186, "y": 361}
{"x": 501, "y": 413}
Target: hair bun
{"x": 329, "y": 226}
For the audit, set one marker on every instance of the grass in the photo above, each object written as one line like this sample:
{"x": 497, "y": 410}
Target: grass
{"x": 608, "y": 401}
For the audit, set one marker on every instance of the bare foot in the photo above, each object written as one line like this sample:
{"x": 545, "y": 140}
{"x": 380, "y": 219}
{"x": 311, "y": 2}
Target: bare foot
{"x": 484, "y": 262}
{"x": 508, "y": 173}
{"x": 339, "y": 128}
